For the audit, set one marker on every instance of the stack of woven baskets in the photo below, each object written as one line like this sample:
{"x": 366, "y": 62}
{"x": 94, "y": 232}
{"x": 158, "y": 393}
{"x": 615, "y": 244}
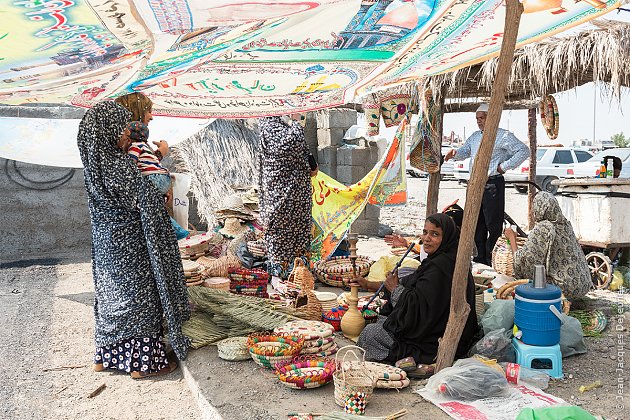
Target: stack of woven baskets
{"x": 336, "y": 271}
{"x": 192, "y": 272}
{"x": 250, "y": 282}
{"x": 317, "y": 335}
{"x": 387, "y": 377}
{"x": 257, "y": 248}
{"x": 267, "y": 350}
{"x": 194, "y": 246}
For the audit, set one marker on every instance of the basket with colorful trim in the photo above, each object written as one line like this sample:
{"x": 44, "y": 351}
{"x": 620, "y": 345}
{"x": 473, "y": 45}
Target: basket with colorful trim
{"x": 269, "y": 349}
{"x": 336, "y": 271}
{"x": 305, "y": 372}
{"x": 252, "y": 282}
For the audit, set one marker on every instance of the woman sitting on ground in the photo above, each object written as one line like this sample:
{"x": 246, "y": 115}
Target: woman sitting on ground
{"x": 552, "y": 243}
{"x": 417, "y": 312}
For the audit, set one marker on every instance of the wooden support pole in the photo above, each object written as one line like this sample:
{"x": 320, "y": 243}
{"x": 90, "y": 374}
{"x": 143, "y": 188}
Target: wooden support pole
{"x": 459, "y": 307}
{"x": 433, "y": 189}
{"x": 531, "y": 134}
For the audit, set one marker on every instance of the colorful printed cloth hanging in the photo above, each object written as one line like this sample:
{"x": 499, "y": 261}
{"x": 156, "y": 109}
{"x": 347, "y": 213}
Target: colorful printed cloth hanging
{"x": 236, "y": 58}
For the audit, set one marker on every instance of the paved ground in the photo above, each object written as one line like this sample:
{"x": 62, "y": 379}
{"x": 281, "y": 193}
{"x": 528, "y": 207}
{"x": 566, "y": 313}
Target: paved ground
{"x": 46, "y": 322}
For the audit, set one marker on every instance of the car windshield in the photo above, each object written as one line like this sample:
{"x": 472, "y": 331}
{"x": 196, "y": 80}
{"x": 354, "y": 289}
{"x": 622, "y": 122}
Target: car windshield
{"x": 622, "y": 154}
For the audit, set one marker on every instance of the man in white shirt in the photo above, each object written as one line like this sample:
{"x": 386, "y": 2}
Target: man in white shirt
{"x": 508, "y": 153}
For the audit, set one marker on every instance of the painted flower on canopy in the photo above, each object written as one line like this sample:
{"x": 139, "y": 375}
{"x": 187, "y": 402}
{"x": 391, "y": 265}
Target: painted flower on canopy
{"x": 401, "y": 108}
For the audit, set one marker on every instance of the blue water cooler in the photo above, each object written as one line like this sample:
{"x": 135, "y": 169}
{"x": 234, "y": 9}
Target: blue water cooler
{"x": 537, "y": 311}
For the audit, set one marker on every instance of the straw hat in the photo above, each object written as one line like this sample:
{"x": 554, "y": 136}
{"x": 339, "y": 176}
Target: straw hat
{"x": 233, "y": 207}
{"x": 233, "y": 227}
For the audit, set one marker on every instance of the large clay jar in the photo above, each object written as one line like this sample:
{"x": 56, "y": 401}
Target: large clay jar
{"x": 352, "y": 322}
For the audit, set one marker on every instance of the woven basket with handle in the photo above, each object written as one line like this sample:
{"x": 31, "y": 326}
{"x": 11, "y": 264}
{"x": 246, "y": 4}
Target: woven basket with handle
{"x": 502, "y": 257}
{"x": 353, "y": 377}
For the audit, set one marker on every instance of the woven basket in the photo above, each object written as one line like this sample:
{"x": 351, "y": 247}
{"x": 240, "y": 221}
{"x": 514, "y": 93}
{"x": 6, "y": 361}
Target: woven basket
{"x": 218, "y": 283}
{"x": 480, "y": 308}
{"x": 354, "y": 377}
{"x": 502, "y": 257}
{"x": 312, "y": 310}
{"x": 242, "y": 238}
{"x": 301, "y": 275}
{"x": 221, "y": 266}
{"x": 336, "y": 271}
{"x": 268, "y": 350}
{"x": 327, "y": 299}
{"x": 306, "y": 372}
{"x": 233, "y": 349}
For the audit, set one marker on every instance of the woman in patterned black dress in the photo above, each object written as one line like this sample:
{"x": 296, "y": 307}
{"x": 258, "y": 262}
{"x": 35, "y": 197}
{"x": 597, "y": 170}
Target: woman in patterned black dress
{"x": 285, "y": 188}
{"x": 136, "y": 266}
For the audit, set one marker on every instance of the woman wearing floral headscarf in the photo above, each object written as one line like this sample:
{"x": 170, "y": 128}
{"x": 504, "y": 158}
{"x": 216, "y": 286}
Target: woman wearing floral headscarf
{"x": 136, "y": 266}
{"x": 552, "y": 243}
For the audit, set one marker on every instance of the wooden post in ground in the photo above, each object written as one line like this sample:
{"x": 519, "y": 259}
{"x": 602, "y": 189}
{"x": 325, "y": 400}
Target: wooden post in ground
{"x": 531, "y": 134}
{"x": 459, "y": 307}
{"x": 437, "y": 132}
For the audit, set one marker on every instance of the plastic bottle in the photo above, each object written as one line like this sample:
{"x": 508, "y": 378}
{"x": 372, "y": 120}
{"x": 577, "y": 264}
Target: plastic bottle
{"x": 609, "y": 168}
{"x": 602, "y": 169}
{"x": 518, "y": 375}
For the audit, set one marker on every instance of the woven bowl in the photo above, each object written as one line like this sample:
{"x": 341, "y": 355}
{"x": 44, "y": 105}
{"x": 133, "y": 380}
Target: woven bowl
{"x": 306, "y": 373}
{"x": 268, "y": 350}
{"x": 233, "y": 349}
{"x": 336, "y": 271}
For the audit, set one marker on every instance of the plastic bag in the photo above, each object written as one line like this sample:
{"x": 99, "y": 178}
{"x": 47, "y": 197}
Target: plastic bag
{"x": 554, "y": 413}
{"x": 495, "y": 345}
{"x": 571, "y": 337}
{"x": 181, "y": 185}
{"x": 385, "y": 264}
{"x": 468, "y": 379}
{"x": 499, "y": 314}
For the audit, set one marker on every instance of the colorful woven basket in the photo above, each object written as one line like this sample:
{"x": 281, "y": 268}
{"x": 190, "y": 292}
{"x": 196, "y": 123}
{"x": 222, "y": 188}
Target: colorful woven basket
{"x": 336, "y": 271}
{"x": 372, "y": 118}
{"x": 233, "y": 349}
{"x": 251, "y": 282}
{"x": 394, "y": 107}
{"x": 350, "y": 378}
{"x": 270, "y": 349}
{"x": 306, "y": 372}
{"x": 550, "y": 116}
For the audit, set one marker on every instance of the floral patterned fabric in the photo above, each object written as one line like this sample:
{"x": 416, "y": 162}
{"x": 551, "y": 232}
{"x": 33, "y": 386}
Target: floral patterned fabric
{"x": 285, "y": 192}
{"x": 136, "y": 266}
{"x": 145, "y": 355}
{"x": 552, "y": 243}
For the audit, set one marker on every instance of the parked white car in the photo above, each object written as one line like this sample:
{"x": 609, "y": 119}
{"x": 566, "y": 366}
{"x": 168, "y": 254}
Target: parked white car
{"x": 591, "y": 166}
{"x": 551, "y": 163}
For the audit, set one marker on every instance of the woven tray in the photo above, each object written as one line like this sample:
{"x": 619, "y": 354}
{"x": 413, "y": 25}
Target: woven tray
{"x": 327, "y": 299}
{"x": 502, "y": 257}
{"x": 336, "y": 271}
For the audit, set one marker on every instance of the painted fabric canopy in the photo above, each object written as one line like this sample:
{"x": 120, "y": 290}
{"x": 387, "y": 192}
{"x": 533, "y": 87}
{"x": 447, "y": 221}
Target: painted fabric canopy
{"x": 246, "y": 58}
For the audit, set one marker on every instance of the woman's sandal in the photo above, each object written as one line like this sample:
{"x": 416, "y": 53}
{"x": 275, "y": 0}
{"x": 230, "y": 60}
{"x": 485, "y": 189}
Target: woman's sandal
{"x": 172, "y": 366}
{"x": 98, "y": 367}
{"x": 422, "y": 372}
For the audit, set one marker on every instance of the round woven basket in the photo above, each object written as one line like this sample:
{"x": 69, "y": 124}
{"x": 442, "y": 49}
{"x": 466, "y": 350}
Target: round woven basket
{"x": 327, "y": 299}
{"x": 218, "y": 283}
{"x": 268, "y": 350}
{"x": 221, "y": 266}
{"x": 502, "y": 257}
{"x": 306, "y": 373}
{"x": 257, "y": 248}
{"x": 336, "y": 271}
{"x": 233, "y": 349}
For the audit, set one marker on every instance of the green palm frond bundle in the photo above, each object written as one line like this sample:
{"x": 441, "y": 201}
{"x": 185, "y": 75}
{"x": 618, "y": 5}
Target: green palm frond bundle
{"x": 219, "y": 315}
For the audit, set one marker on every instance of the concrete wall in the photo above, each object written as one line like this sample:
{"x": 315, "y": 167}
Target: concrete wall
{"x": 40, "y": 216}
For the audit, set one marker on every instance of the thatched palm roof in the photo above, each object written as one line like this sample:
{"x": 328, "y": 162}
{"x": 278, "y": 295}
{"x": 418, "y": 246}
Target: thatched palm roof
{"x": 553, "y": 65}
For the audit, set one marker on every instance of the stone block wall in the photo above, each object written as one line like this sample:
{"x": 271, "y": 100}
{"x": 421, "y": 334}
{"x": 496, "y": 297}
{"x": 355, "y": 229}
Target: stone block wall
{"x": 347, "y": 163}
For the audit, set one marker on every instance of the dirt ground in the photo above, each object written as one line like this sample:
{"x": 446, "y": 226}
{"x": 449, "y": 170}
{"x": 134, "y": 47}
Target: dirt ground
{"x": 46, "y": 322}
